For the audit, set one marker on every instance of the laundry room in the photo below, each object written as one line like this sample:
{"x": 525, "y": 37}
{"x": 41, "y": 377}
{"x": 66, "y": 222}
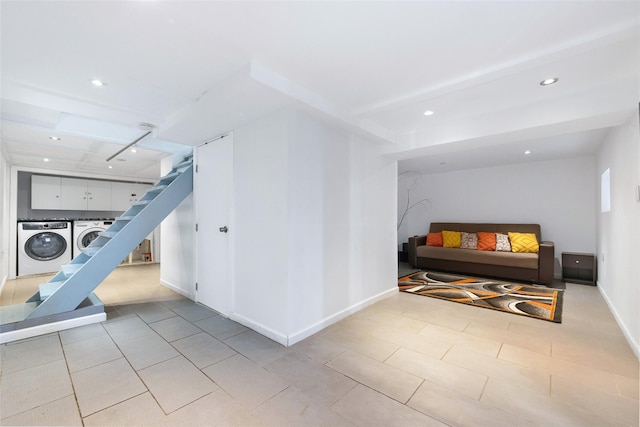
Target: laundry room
{"x": 58, "y": 216}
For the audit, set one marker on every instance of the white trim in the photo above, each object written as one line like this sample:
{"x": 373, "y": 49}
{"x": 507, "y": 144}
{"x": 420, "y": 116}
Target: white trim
{"x": 34, "y": 331}
{"x": 178, "y": 289}
{"x": 634, "y": 345}
{"x": 307, "y": 332}
{"x": 330, "y": 320}
{"x": 259, "y": 328}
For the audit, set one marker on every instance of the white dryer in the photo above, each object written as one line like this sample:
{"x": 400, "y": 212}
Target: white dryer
{"x": 43, "y": 246}
{"x": 86, "y": 231}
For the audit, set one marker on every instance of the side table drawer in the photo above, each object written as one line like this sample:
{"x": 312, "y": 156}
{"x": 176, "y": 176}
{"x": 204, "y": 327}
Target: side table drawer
{"x": 577, "y": 261}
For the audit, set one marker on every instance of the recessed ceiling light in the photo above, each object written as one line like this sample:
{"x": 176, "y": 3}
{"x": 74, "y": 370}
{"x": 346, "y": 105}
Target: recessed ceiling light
{"x": 133, "y": 150}
{"x": 97, "y": 82}
{"x": 46, "y": 160}
{"x": 55, "y": 138}
{"x": 549, "y": 81}
{"x": 527, "y": 152}
{"x": 110, "y": 167}
{"x": 428, "y": 113}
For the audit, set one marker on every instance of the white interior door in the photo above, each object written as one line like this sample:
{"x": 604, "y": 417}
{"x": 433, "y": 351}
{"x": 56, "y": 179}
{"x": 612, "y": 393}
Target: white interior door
{"x": 213, "y": 191}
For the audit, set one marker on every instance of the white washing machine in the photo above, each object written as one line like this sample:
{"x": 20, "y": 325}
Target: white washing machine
{"x": 86, "y": 231}
{"x": 43, "y": 246}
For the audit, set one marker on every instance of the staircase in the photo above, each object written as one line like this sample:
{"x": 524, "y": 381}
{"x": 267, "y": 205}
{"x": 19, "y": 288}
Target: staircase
{"x": 72, "y": 288}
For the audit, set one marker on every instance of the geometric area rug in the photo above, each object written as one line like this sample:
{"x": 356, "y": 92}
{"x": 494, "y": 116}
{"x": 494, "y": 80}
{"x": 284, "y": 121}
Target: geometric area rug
{"x": 535, "y": 301}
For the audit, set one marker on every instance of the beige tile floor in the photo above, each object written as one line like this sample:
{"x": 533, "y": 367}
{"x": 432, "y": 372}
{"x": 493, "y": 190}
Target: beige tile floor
{"x": 406, "y": 361}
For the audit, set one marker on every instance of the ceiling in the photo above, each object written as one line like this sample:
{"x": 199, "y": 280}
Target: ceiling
{"x": 196, "y": 69}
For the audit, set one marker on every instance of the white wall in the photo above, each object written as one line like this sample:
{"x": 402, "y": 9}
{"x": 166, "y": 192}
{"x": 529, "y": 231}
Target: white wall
{"x": 260, "y": 235}
{"x": 4, "y": 216}
{"x": 619, "y": 229}
{"x": 559, "y": 195}
{"x": 177, "y": 245}
{"x": 341, "y": 235}
{"x": 314, "y": 224}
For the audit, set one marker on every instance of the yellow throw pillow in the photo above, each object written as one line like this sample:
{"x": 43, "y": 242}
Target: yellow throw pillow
{"x": 451, "y": 239}
{"x": 524, "y": 242}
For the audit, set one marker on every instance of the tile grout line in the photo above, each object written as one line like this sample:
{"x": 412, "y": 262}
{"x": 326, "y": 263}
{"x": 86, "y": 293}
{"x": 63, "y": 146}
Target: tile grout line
{"x": 73, "y": 387}
{"x": 155, "y": 364}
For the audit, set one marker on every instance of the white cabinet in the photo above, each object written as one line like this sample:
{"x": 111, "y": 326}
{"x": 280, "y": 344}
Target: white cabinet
{"x": 99, "y": 196}
{"x": 45, "y": 192}
{"x": 73, "y": 194}
{"x": 85, "y": 194}
{"x": 123, "y": 194}
{"x": 77, "y": 194}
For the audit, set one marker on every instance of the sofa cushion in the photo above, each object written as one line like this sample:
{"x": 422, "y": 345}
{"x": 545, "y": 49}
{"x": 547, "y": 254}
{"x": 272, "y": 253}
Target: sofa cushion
{"x": 469, "y": 241}
{"x": 451, "y": 239}
{"x": 486, "y": 241}
{"x": 524, "y": 242}
{"x": 502, "y": 243}
{"x": 434, "y": 239}
{"x": 488, "y": 227}
{"x": 510, "y": 259}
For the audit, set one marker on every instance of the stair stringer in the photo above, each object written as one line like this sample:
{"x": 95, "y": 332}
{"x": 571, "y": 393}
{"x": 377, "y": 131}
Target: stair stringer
{"x": 93, "y": 266}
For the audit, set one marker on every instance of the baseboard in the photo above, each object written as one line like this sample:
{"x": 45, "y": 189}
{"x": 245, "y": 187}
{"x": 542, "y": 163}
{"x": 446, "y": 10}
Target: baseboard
{"x": 330, "y": 320}
{"x": 635, "y": 346}
{"x": 178, "y": 290}
{"x": 249, "y": 323}
{"x": 259, "y": 328}
{"x": 316, "y": 327}
{"x": 47, "y": 328}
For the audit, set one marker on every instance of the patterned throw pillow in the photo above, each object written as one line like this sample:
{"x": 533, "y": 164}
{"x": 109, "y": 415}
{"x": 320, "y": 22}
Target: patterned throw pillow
{"x": 486, "y": 241}
{"x": 451, "y": 239}
{"x": 434, "y": 239}
{"x": 502, "y": 243}
{"x": 524, "y": 242}
{"x": 469, "y": 241}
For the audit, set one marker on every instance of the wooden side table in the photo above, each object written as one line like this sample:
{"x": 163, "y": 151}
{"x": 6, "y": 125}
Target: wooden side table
{"x": 579, "y": 268}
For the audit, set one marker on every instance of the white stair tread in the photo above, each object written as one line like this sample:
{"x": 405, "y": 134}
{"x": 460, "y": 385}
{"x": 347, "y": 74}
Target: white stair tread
{"x": 91, "y": 250}
{"x": 47, "y": 289}
{"x": 169, "y": 176}
{"x": 107, "y": 233}
{"x": 182, "y": 165}
{"x": 69, "y": 269}
{"x": 157, "y": 188}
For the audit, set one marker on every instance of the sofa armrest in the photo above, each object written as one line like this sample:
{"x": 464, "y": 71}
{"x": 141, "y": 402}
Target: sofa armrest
{"x": 414, "y": 242}
{"x": 546, "y": 261}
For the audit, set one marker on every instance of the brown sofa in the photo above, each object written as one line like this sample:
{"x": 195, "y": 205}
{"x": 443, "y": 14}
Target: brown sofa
{"x": 529, "y": 267}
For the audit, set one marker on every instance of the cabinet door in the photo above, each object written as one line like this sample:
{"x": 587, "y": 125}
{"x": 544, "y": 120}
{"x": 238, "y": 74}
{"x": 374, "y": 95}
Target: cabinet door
{"x": 73, "y": 193}
{"x": 121, "y": 196}
{"x": 99, "y": 195}
{"x": 119, "y": 201}
{"x": 45, "y": 192}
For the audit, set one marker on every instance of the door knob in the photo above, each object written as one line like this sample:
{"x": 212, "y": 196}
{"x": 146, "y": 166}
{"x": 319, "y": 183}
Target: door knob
{"x": 223, "y": 229}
